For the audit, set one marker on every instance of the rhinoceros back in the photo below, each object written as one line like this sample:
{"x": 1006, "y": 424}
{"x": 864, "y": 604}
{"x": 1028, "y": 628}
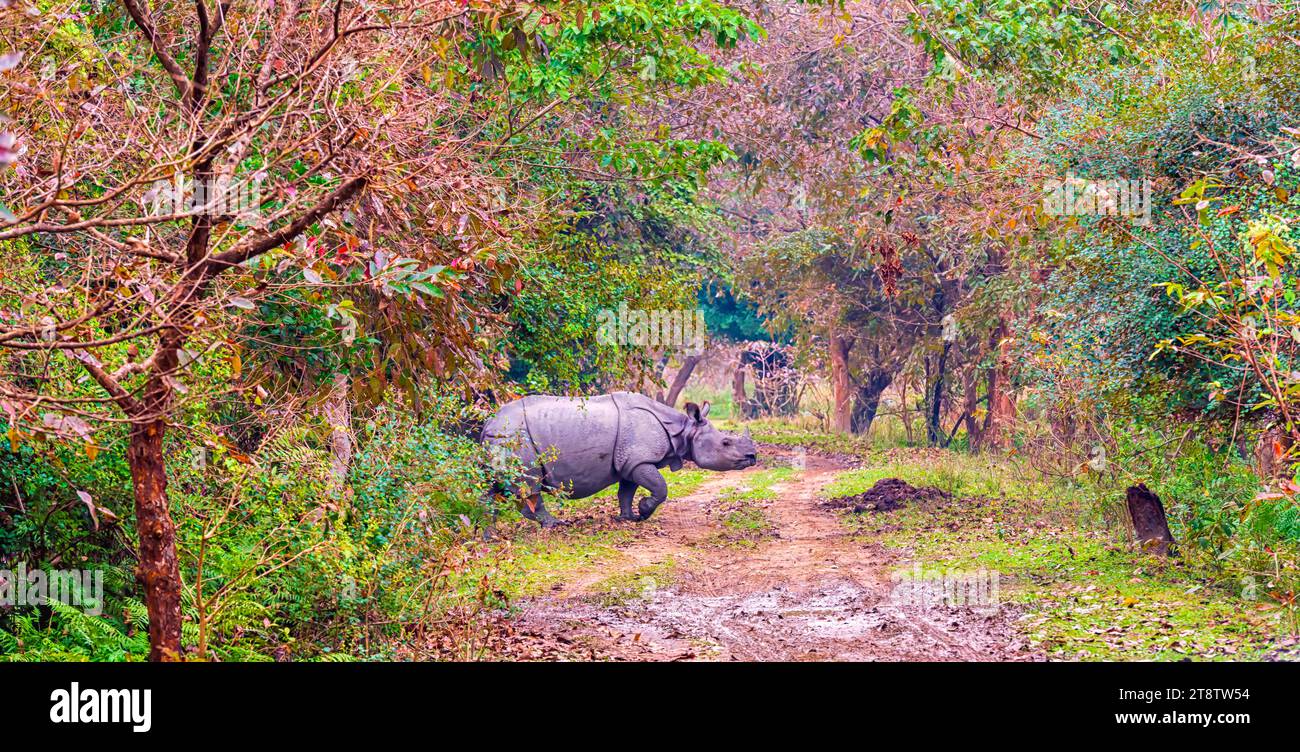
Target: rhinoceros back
{"x": 567, "y": 443}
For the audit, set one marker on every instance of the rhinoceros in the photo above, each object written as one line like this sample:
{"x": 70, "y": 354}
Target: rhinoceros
{"x": 581, "y": 446}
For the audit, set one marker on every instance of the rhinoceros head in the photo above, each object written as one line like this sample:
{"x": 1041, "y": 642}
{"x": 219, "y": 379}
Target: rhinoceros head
{"x": 712, "y": 449}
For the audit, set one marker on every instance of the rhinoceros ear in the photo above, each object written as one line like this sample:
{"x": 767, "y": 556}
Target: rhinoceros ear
{"x": 704, "y": 410}
{"x": 693, "y": 411}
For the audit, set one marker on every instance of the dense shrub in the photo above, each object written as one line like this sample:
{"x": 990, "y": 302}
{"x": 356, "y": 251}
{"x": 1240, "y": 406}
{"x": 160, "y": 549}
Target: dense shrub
{"x": 277, "y": 561}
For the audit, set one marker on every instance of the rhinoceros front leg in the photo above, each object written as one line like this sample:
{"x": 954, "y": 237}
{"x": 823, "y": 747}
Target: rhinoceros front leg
{"x": 626, "y": 492}
{"x": 648, "y": 477}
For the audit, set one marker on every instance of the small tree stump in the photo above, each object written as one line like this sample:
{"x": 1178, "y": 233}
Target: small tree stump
{"x": 1150, "y": 526}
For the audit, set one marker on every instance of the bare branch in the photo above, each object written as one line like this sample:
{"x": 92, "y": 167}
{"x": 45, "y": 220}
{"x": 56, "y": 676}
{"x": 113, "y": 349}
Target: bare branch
{"x": 129, "y": 404}
{"x": 140, "y": 16}
{"x": 245, "y": 251}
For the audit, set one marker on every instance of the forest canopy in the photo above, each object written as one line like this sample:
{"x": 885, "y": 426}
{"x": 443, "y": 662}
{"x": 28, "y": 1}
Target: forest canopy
{"x": 268, "y": 267}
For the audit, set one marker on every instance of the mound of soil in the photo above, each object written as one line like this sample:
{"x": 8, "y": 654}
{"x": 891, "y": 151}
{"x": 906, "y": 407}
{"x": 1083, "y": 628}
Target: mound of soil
{"x": 887, "y": 495}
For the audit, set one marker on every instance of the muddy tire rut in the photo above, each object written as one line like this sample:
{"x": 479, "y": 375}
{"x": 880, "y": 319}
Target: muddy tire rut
{"x": 805, "y": 591}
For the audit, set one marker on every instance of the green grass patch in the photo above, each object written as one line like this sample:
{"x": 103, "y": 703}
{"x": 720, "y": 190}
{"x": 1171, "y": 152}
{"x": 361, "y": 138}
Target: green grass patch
{"x": 745, "y": 524}
{"x": 535, "y": 561}
{"x": 721, "y": 406}
{"x": 759, "y": 485}
{"x": 626, "y": 588}
{"x": 684, "y": 482}
{"x": 740, "y": 511}
{"x": 1083, "y": 591}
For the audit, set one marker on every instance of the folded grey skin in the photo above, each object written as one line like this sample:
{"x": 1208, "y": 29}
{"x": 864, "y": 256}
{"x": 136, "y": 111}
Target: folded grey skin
{"x": 583, "y": 445}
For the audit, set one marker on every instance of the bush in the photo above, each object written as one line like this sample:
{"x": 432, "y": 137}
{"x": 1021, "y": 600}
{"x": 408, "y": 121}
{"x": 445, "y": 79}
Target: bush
{"x": 277, "y": 560}
{"x": 1224, "y": 525}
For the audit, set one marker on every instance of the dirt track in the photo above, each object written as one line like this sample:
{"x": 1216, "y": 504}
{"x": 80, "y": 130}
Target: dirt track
{"x": 807, "y": 591}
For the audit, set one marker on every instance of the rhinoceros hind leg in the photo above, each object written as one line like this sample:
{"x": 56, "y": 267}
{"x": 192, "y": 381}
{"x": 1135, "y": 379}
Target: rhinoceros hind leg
{"x": 626, "y": 492}
{"x": 648, "y": 477}
{"x": 539, "y": 513}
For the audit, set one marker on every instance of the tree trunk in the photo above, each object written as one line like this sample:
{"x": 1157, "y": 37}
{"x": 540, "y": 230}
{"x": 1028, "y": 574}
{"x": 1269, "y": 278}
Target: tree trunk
{"x": 842, "y": 387}
{"x": 933, "y": 431}
{"x": 867, "y": 400}
{"x": 1271, "y": 452}
{"x": 339, "y": 416}
{"x": 679, "y": 380}
{"x": 158, "y": 571}
{"x": 905, "y": 413}
{"x": 970, "y": 387}
{"x": 738, "y": 403}
{"x": 997, "y": 423}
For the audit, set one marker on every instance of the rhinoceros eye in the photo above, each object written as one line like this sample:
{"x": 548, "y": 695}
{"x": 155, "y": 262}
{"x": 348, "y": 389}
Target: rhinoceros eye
{"x": 726, "y": 442}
